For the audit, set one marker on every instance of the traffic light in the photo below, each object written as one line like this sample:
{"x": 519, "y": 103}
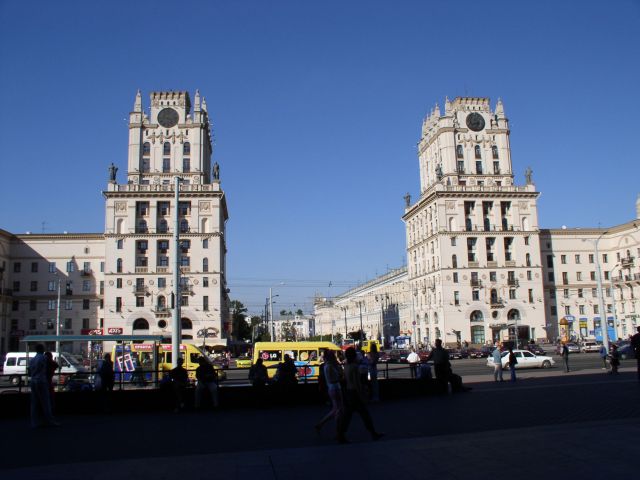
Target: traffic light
{"x": 68, "y": 290}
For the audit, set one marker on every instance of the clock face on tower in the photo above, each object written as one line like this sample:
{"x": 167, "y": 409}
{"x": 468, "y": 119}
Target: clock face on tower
{"x": 475, "y": 122}
{"x": 168, "y": 117}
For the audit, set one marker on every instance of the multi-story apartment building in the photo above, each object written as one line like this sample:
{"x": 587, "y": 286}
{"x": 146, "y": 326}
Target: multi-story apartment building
{"x": 121, "y": 281}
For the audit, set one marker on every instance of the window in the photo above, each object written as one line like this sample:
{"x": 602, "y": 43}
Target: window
{"x": 565, "y": 293}
{"x": 456, "y": 298}
{"x": 119, "y": 265}
{"x": 102, "y": 267}
{"x": 186, "y": 165}
{"x": 205, "y": 243}
{"x": 15, "y": 305}
{"x": 459, "y": 151}
{"x": 592, "y": 276}
{"x": 163, "y": 226}
{"x": 551, "y": 277}
{"x": 166, "y": 148}
{"x": 606, "y": 275}
{"x": 596, "y": 309}
{"x": 185, "y": 261}
{"x": 52, "y": 267}
{"x": 119, "y": 244}
{"x": 32, "y": 324}
{"x": 460, "y": 166}
{"x": 594, "y": 292}
{"x": 119, "y": 304}
{"x": 454, "y": 261}
{"x": 50, "y": 324}
{"x": 563, "y": 259}
{"x": 145, "y": 165}
{"x": 118, "y": 283}
{"x": 139, "y": 301}
{"x": 565, "y": 278}
{"x": 85, "y": 303}
{"x": 205, "y": 264}
{"x": 475, "y": 295}
{"x": 17, "y": 267}
{"x": 471, "y": 249}
{"x": 101, "y": 287}
{"x": 51, "y": 305}
{"x": 71, "y": 266}
{"x": 529, "y": 277}
{"x": 146, "y": 148}
{"x": 455, "y": 277}
{"x": 34, "y": 267}
{"x": 526, "y": 240}
{"x": 16, "y": 286}
{"x": 567, "y": 310}
{"x": 184, "y": 226}
{"x": 186, "y": 148}
{"x": 86, "y": 286}
{"x": 493, "y": 276}
{"x": 605, "y": 258}
{"x": 579, "y": 276}
{"x": 205, "y": 303}
{"x": 554, "y": 310}
{"x": 51, "y": 286}
{"x": 496, "y": 168}
{"x": 581, "y": 309}
{"x": 85, "y": 323}
{"x": 477, "y": 151}
{"x": 577, "y": 258}
{"x": 479, "y": 167}
{"x": 34, "y": 286}
{"x": 205, "y": 281}
{"x": 527, "y": 259}
{"x": 162, "y": 282}
{"x": 580, "y": 293}
{"x": 184, "y": 301}
{"x": 166, "y": 166}
{"x": 68, "y": 304}
{"x": 508, "y": 254}
{"x": 33, "y": 305}
{"x": 494, "y": 152}
{"x": 512, "y": 294}
{"x": 591, "y": 258}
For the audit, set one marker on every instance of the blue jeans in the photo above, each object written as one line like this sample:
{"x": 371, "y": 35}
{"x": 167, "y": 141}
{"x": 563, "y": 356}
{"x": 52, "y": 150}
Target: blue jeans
{"x": 512, "y": 369}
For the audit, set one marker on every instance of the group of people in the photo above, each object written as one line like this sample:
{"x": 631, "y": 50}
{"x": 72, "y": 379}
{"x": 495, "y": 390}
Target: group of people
{"x": 206, "y": 385}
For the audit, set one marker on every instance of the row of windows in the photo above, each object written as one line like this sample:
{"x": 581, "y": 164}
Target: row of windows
{"x": 166, "y": 148}
{"x": 161, "y": 261}
{"x": 161, "y": 304}
{"x": 70, "y": 267}
{"x": 477, "y": 152}
{"x": 591, "y": 258}
{"x": 495, "y": 299}
{"x": 53, "y": 305}
{"x": 145, "y": 165}
{"x": 52, "y": 286}
{"x": 49, "y": 324}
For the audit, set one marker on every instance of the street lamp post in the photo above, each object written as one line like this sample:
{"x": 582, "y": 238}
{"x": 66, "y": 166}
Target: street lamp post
{"x": 603, "y": 313}
{"x": 346, "y": 332}
{"x": 613, "y": 296}
{"x": 361, "y": 330}
{"x": 176, "y": 327}
{"x": 58, "y": 323}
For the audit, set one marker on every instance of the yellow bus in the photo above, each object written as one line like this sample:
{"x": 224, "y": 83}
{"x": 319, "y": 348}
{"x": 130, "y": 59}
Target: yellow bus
{"x": 138, "y": 357}
{"x": 306, "y": 356}
{"x": 366, "y": 345}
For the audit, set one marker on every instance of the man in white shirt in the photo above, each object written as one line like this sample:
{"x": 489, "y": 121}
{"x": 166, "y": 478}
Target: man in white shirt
{"x": 414, "y": 359}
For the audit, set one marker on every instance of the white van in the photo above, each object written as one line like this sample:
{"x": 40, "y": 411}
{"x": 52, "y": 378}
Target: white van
{"x": 15, "y": 365}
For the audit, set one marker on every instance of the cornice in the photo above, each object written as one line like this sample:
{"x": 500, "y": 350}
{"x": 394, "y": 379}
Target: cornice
{"x": 162, "y": 235}
{"x": 59, "y": 236}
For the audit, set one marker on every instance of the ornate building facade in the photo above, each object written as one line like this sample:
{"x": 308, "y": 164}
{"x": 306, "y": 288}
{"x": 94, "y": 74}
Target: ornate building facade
{"x": 120, "y": 281}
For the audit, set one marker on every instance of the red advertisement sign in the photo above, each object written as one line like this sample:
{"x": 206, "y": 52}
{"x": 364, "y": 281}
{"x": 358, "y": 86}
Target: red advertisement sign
{"x": 114, "y": 331}
{"x": 91, "y": 331}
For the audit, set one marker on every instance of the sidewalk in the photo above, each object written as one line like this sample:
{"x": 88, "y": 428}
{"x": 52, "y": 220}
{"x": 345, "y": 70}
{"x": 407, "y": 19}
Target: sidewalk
{"x": 583, "y": 424}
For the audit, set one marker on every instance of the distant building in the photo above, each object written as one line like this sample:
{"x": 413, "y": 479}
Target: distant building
{"x": 479, "y": 268}
{"x": 120, "y": 281}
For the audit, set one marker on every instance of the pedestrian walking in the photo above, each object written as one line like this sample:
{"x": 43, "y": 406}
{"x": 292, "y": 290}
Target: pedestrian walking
{"x": 603, "y": 355}
{"x": 614, "y": 359}
{"x": 333, "y": 376}
{"x": 179, "y": 383}
{"x": 41, "y": 415}
{"x": 441, "y": 365}
{"x": 207, "y": 383}
{"x": 374, "y": 357}
{"x": 355, "y": 399}
{"x": 497, "y": 364}
{"x": 413, "y": 359}
{"x": 107, "y": 381}
{"x": 565, "y": 357}
{"x": 52, "y": 366}
{"x": 258, "y": 375}
{"x": 635, "y": 345}
{"x": 513, "y": 361}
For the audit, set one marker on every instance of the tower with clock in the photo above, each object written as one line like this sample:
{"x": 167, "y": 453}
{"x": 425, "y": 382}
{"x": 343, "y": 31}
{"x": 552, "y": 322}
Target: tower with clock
{"x": 472, "y": 235}
{"x": 172, "y": 138}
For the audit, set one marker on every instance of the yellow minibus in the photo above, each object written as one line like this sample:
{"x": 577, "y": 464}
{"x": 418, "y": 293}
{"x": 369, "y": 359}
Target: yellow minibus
{"x": 306, "y": 356}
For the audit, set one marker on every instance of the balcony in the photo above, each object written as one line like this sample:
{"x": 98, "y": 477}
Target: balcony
{"x": 497, "y": 303}
{"x": 513, "y": 282}
{"x": 140, "y": 290}
{"x": 86, "y": 273}
{"x": 142, "y": 269}
{"x": 161, "y": 311}
{"x": 162, "y": 269}
{"x": 476, "y": 283}
{"x": 186, "y": 269}
{"x": 627, "y": 262}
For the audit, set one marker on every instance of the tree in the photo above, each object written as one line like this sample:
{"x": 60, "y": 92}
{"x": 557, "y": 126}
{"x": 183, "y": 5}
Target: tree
{"x": 288, "y": 332}
{"x": 358, "y": 335}
{"x": 283, "y": 313}
{"x": 240, "y": 328}
{"x": 299, "y": 312}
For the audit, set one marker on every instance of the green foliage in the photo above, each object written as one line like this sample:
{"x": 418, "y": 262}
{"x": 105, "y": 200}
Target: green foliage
{"x": 288, "y": 332}
{"x": 299, "y": 312}
{"x": 240, "y": 327}
{"x": 358, "y": 335}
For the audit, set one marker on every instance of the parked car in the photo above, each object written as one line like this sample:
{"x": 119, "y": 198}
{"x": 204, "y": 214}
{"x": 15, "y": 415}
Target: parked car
{"x": 243, "y": 362}
{"x": 455, "y": 353}
{"x": 626, "y": 352}
{"x": 398, "y": 355}
{"x": 525, "y": 358}
{"x": 383, "y": 357}
{"x": 590, "y": 347}
{"x": 478, "y": 353}
{"x": 573, "y": 348}
{"x": 535, "y": 349}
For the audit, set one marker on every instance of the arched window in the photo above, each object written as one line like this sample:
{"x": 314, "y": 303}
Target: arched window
{"x": 140, "y": 324}
{"x": 494, "y": 296}
{"x": 527, "y": 260}
{"x": 162, "y": 226}
{"x": 162, "y": 302}
{"x": 186, "y": 148}
{"x": 146, "y": 148}
{"x": 513, "y": 314}
{"x": 494, "y": 152}
{"x": 459, "y": 151}
{"x": 120, "y": 225}
{"x": 478, "y": 153}
{"x": 119, "y": 265}
{"x": 184, "y": 225}
{"x": 454, "y": 261}
{"x": 142, "y": 226}
{"x": 476, "y": 316}
{"x": 525, "y": 223}
{"x": 452, "y": 224}
{"x": 186, "y": 324}
{"x": 166, "y": 148}
{"x": 204, "y": 225}
{"x": 205, "y": 264}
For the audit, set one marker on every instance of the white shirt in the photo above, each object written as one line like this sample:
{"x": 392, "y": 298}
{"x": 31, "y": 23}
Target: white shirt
{"x": 413, "y": 358}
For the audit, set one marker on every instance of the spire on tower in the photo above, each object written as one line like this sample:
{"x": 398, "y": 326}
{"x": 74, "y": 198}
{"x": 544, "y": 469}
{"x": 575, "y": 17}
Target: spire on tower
{"x": 137, "y": 106}
{"x": 638, "y": 207}
{"x": 196, "y": 102}
{"x": 499, "y": 108}
{"x": 437, "y": 110}
{"x": 204, "y": 105}
{"x": 447, "y": 106}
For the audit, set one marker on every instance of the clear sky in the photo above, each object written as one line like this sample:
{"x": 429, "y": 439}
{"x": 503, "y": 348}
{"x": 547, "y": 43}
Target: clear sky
{"x": 317, "y": 108}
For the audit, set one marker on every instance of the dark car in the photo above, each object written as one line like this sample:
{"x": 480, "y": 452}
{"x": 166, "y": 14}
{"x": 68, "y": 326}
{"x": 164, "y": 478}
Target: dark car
{"x": 478, "y": 352}
{"x": 383, "y": 357}
{"x": 626, "y": 352}
{"x": 398, "y": 355}
{"x": 457, "y": 354}
{"x": 535, "y": 349}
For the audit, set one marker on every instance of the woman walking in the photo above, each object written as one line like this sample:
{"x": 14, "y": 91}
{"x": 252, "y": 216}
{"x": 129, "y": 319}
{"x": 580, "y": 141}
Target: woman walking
{"x": 513, "y": 361}
{"x": 332, "y": 375}
{"x": 374, "y": 357}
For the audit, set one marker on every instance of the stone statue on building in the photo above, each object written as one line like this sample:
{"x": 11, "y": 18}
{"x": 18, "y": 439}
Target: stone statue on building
{"x": 527, "y": 176}
{"x": 113, "y": 170}
{"x": 216, "y": 171}
{"x": 439, "y": 172}
{"x": 407, "y": 200}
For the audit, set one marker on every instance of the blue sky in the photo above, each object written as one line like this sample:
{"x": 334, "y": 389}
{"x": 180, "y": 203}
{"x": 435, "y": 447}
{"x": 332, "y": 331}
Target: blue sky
{"x": 317, "y": 108}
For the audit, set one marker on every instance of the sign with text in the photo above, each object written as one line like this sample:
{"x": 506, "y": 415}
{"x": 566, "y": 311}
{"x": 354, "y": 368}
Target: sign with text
{"x": 114, "y": 331}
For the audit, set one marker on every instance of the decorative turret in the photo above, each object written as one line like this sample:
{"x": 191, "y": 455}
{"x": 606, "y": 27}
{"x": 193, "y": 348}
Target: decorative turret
{"x": 638, "y": 207}
{"x": 137, "y": 106}
{"x": 196, "y": 102}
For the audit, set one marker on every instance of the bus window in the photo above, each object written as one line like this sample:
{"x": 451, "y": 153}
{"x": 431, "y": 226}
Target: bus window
{"x": 194, "y": 357}
{"x": 293, "y": 354}
{"x": 308, "y": 355}
{"x": 168, "y": 358}
{"x": 271, "y": 355}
